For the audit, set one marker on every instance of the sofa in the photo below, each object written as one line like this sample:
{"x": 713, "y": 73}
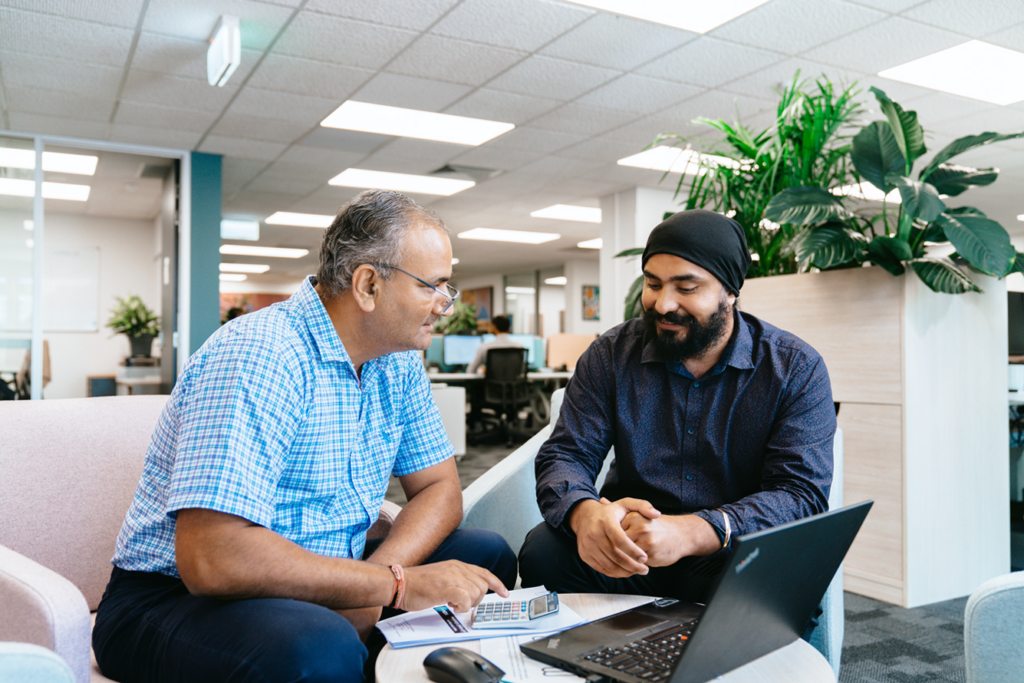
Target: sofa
{"x": 994, "y": 631}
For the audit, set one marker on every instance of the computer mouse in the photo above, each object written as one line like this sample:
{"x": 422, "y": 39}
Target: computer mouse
{"x": 459, "y": 665}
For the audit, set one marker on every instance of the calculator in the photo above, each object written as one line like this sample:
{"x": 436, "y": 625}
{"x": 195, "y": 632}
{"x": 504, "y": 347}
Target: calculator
{"x": 514, "y": 613}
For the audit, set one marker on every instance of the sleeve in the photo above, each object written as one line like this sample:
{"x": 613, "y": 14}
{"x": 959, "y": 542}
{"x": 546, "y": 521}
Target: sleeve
{"x": 239, "y": 417}
{"x": 568, "y": 463}
{"x": 796, "y": 475}
{"x": 478, "y": 359}
{"x": 424, "y": 442}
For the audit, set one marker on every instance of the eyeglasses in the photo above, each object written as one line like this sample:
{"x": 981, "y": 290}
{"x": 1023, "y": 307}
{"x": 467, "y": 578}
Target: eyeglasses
{"x": 449, "y": 293}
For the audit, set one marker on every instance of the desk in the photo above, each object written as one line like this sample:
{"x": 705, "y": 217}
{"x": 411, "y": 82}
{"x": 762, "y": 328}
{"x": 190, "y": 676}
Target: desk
{"x": 539, "y": 376}
{"x": 798, "y": 662}
{"x": 131, "y": 382}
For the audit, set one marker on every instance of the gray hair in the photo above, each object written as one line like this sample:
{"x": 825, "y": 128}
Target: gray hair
{"x": 368, "y": 229}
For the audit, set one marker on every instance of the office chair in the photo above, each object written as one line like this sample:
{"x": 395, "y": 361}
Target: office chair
{"x": 506, "y": 390}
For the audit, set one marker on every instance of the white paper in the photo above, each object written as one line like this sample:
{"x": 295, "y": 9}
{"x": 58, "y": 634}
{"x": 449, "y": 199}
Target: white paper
{"x": 428, "y": 627}
{"x": 506, "y": 655}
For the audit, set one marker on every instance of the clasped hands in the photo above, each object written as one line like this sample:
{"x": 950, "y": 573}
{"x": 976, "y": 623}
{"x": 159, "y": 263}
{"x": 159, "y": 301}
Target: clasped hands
{"x": 628, "y": 536}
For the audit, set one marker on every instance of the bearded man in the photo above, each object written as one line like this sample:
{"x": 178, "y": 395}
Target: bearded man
{"x": 722, "y": 425}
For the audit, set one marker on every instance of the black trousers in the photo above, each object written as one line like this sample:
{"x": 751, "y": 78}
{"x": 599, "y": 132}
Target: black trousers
{"x": 149, "y": 628}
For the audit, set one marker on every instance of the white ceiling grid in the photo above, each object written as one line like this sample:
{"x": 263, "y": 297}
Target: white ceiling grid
{"x": 583, "y": 87}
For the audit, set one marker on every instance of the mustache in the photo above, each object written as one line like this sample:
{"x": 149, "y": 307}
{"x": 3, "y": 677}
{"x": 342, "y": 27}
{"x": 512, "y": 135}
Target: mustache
{"x": 671, "y": 317}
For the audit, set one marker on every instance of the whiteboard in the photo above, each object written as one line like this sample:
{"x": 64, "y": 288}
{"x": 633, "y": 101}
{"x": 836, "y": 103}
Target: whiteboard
{"x": 71, "y": 290}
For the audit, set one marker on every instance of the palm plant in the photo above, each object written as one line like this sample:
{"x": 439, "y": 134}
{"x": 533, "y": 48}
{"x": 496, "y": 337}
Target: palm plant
{"x": 830, "y": 235}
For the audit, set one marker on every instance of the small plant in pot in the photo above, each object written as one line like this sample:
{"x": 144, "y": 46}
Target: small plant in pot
{"x": 138, "y": 322}
{"x": 461, "y": 321}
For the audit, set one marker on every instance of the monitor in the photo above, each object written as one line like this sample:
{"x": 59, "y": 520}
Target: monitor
{"x": 527, "y": 341}
{"x": 460, "y": 349}
{"x": 1015, "y": 322}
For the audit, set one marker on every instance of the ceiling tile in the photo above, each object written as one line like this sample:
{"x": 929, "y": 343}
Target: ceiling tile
{"x": 348, "y": 140}
{"x": 1012, "y": 38}
{"x": 617, "y": 42}
{"x": 265, "y": 203}
{"x": 24, "y": 122}
{"x": 53, "y": 103}
{"x": 889, "y": 43}
{"x": 797, "y": 25}
{"x": 893, "y": 6}
{"x": 998, "y": 119}
{"x": 904, "y": 93}
{"x": 639, "y": 94}
{"x": 456, "y": 61}
{"x": 123, "y": 13}
{"x": 765, "y": 82}
{"x": 342, "y": 41}
{"x": 40, "y": 34}
{"x": 719, "y": 105}
{"x": 709, "y": 62}
{"x": 333, "y": 161}
{"x": 305, "y": 172}
{"x": 292, "y": 186}
{"x": 250, "y": 127}
{"x": 171, "y": 118}
{"x": 411, "y": 148}
{"x": 983, "y": 18}
{"x": 605, "y": 149}
{"x": 642, "y": 132}
{"x": 237, "y": 172}
{"x": 66, "y": 75}
{"x": 417, "y": 15}
{"x": 258, "y": 23}
{"x": 501, "y": 106}
{"x": 942, "y": 107}
{"x": 155, "y": 137}
{"x": 271, "y": 104}
{"x": 183, "y": 57}
{"x": 174, "y": 91}
{"x": 410, "y": 92}
{"x": 535, "y": 140}
{"x": 581, "y": 120}
{"x": 556, "y": 167}
{"x": 242, "y": 149}
{"x": 553, "y": 78}
{"x": 307, "y": 77}
{"x": 496, "y": 157}
{"x": 517, "y": 24}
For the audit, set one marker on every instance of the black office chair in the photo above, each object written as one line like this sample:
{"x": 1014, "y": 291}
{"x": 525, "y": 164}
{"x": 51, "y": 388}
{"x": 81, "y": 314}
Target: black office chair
{"x": 505, "y": 391}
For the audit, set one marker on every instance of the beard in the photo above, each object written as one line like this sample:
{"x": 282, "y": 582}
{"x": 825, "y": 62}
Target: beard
{"x": 700, "y": 337}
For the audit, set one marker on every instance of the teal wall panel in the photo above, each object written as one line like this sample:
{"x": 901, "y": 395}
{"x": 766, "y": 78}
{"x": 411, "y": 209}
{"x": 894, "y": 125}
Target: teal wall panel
{"x": 205, "y": 250}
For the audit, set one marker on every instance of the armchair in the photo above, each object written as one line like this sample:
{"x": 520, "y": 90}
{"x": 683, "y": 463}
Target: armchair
{"x": 994, "y": 630}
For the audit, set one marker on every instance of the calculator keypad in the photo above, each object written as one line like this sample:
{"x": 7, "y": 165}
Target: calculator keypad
{"x": 513, "y": 610}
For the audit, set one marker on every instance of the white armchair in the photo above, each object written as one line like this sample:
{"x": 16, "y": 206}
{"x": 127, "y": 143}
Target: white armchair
{"x": 994, "y": 631}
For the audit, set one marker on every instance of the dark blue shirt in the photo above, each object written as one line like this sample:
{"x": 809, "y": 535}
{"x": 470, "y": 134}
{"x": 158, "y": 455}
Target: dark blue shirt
{"x": 752, "y": 437}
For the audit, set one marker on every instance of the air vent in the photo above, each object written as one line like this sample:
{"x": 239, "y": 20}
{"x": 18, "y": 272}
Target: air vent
{"x": 469, "y": 172}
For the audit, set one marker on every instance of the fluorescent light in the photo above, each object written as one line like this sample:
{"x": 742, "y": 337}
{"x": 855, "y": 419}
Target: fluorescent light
{"x": 520, "y": 290}
{"x": 754, "y": 256}
{"x": 302, "y": 220}
{"x": 413, "y": 123}
{"x": 78, "y": 164}
{"x": 866, "y": 191}
{"x": 1020, "y": 217}
{"x": 566, "y": 212}
{"x": 30, "y": 243}
{"x": 239, "y": 230}
{"x": 973, "y": 69}
{"x": 225, "y": 51}
{"x": 556, "y": 280}
{"x": 271, "y": 252}
{"x": 232, "y": 277}
{"x": 454, "y": 261}
{"x": 31, "y": 225}
{"x": 676, "y": 160}
{"x": 699, "y": 17}
{"x": 243, "y": 268}
{"x": 27, "y": 188}
{"x": 591, "y": 244}
{"x": 518, "y": 236}
{"x": 400, "y": 182}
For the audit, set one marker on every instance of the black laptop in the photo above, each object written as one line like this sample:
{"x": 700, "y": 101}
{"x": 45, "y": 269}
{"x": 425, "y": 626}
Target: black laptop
{"x": 763, "y": 600}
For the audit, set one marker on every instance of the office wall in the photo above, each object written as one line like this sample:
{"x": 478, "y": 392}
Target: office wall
{"x": 494, "y": 281}
{"x": 552, "y": 302}
{"x": 128, "y": 264}
{"x": 578, "y": 274}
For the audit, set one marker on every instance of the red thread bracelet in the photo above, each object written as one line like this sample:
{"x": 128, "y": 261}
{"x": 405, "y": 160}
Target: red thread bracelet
{"x": 399, "y": 592}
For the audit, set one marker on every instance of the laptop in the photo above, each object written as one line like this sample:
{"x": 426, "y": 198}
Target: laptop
{"x": 763, "y": 600}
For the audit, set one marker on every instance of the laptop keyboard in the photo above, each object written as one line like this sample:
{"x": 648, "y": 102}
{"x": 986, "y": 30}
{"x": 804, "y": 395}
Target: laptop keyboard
{"x": 650, "y": 658}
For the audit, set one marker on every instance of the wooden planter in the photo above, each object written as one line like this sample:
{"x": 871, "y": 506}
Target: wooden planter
{"x": 921, "y": 379}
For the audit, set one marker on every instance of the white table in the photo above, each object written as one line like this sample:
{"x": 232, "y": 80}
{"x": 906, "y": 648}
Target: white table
{"x": 538, "y": 376}
{"x": 798, "y": 662}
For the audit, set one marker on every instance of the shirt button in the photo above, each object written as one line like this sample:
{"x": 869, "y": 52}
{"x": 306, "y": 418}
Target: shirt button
{"x": 696, "y": 385}
{"x": 689, "y": 477}
{"x": 690, "y": 430}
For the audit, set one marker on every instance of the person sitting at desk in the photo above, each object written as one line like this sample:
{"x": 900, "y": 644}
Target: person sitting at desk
{"x": 243, "y": 555}
{"x": 501, "y": 325}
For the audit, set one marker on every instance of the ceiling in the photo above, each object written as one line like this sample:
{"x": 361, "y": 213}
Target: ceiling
{"x": 583, "y": 87}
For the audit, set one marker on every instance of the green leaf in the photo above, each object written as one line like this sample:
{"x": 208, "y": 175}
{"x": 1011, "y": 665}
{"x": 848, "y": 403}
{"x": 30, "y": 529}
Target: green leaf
{"x": 953, "y": 180}
{"x": 805, "y": 205}
{"x": 965, "y": 211}
{"x": 889, "y": 253}
{"x": 875, "y": 155}
{"x": 829, "y": 245}
{"x": 981, "y": 241}
{"x": 962, "y": 145}
{"x": 634, "y": 305}
{"x": 920, "y": 200}
{"x": 637, "y": 251}
{"x": 943, "y": 277}
{"x": 904, "y": 125}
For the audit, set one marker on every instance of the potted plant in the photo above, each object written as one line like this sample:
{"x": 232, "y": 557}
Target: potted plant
{"x": 461, "y": 321}
{"x": 131, "y": 317}
{"x": 830, "y": 235}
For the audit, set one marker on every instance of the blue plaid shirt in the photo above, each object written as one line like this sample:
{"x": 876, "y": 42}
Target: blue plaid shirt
{"x": 270, "y": 422}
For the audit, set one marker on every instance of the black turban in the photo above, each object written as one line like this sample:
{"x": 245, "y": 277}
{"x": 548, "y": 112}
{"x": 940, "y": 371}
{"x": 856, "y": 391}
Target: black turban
{"x": 712, "y": 241}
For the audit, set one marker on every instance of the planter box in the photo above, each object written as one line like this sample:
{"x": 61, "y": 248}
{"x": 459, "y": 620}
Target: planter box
{"x": 921, "y": 379}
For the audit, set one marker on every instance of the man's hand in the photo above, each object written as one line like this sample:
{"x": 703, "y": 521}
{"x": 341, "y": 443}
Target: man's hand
{"x": 668, "y": 539}
{"x": 601, "y": 541}
{"x": 460, "y": 585}
{"x": 363, "y": 618}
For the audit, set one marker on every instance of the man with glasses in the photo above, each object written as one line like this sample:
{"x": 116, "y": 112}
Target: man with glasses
{"x": 243, "y": 555}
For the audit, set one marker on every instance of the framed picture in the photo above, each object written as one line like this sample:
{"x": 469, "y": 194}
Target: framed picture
{"x": 591, "y": 302}
{"x": 481, "y": 298}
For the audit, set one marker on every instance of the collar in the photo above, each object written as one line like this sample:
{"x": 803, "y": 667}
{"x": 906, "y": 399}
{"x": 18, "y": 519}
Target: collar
{"x": 312, "y": 310}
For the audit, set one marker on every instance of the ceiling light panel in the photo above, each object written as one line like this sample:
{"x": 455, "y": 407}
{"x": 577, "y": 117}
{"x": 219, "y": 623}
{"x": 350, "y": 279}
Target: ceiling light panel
{"x": 270, "y": 252}
{"x": 239, "y": 230}
{"x": 517, "y": 236}
{"x": 676, "y": 160}
{"x": 27, "y": 188}
{"x": 412, "y": 123}
{"x": 690, "y": 15}
{"x": 566, "y": 212}
{"x": 302, "y": 220}
{"x": 556, "y": 280}
{"x": 243, "y": 268}
{"x": 591, "y": 244}
{"x": 232, "y": 277}
{"x": 56, "y": 162}
{"x": 400, "y": 182}
{"x": 974, "y": 69}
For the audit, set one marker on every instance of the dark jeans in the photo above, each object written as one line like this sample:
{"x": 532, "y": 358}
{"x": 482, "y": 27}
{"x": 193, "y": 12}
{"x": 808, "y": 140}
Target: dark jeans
{"x": 149, "y": 628}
